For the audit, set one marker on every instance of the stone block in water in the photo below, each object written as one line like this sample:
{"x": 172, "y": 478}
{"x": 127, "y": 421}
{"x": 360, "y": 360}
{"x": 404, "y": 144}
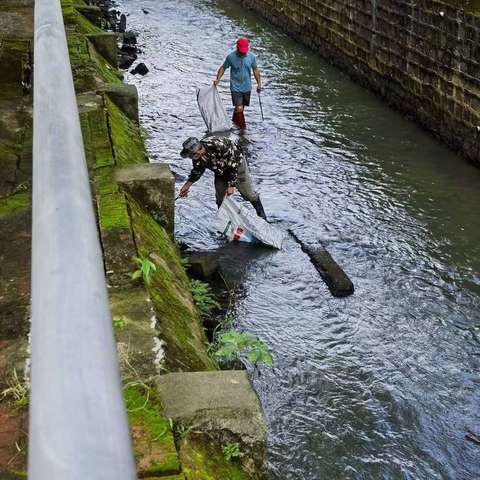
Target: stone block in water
{"x": 332, "y": 274}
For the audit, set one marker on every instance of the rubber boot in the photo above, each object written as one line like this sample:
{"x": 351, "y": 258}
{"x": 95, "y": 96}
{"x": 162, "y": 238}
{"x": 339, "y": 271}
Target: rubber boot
{"x": 238, "y": 118}
{"x": 235, "y": 118}
{"x": 241, "y": 120}
{"x": 257, "y": 205}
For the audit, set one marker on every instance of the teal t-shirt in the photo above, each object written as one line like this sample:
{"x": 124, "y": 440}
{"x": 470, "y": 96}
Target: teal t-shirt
{"x": 241, "y": 70}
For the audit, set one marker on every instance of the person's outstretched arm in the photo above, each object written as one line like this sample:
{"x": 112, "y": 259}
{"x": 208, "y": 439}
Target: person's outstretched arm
{"x": 220, "y": 73}
{"x": 221, "y": 70}
{"x": 197, "y": 171}
{"x": 256, "y": 74}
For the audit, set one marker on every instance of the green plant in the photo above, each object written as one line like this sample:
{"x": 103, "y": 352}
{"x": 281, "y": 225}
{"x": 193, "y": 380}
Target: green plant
{"x": 183, "y": 431}
{"x": 232, "y": 451}
{"x": 145, "y": 269}
{"x": 16, "y": 390}
{"x": 144, "y": 133}
{"x": 119, "y": 322}
{"x": 160, "y": 219}
{"x": 203, "y": 297}
{"x": 232, "y": 343}
{"x": 184, "y": 262}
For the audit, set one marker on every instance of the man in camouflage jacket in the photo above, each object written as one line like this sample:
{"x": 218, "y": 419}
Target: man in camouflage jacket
{"x": 227, "y": 162}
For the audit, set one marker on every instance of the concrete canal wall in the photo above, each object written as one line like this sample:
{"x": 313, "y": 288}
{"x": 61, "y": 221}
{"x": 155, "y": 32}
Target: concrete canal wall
{"x": 422, "y": 56}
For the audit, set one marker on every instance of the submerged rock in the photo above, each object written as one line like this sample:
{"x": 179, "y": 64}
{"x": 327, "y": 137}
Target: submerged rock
{"x": 129, "y": 38}
{"x": 126, "y": 60}
{"x": 130, "y": 49}
{"x": 140, "y": 69}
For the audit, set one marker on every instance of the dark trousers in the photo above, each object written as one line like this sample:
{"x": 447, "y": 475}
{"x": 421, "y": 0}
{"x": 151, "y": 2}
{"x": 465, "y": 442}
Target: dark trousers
{"x": 244, "y": 185}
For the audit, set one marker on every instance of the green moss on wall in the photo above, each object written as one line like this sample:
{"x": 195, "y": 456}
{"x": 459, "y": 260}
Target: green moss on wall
{"x": 104, "y": 183}
{"x": 112, "y": 211}
{"x": 74, "y": 20}
{"x": 15, "y": 475}
{"x": 103, "y": 71}
{"x": 89, "y": 68}
{"x": 170, "y": 477}
{"x": 98, "y": 148}
{"x": 15, "y": 56}
{"x": 13, "y": 203}
{"x": 81, "y": 64}
{"x": 169, "y": 289}
{"x": 154, "y": 446}
{"x": 126, "y": 136}
{"x": 202, "y": 459}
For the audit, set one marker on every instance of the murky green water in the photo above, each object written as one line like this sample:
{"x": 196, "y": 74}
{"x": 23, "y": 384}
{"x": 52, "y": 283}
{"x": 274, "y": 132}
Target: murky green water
{"x": 381, "y": 385}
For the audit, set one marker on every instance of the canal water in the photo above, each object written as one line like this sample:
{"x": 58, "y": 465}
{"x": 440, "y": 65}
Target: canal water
{"x": 380, "y": 385}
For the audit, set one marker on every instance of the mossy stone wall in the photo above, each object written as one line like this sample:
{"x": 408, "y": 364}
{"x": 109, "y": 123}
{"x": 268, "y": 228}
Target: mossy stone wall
{"x": 421, "y": 56}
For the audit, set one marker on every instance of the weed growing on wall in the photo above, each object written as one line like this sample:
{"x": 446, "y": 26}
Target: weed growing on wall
{"x": 184, "y": 261}
{"x": 184, "y": 430}
{"x": 232, "y": 451}
{"x": 232, "y": 343}
{"x": 119, "y": 322}
{"x": 203, "y": 297}
{"x": 146, "y": 268}
{"x": 17, "y": 391}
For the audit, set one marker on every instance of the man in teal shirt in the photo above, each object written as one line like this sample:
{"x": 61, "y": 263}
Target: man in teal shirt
{"x": 242, "y": 63}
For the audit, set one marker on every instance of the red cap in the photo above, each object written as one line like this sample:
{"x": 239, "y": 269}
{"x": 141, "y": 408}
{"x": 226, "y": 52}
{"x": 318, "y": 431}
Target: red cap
{"x": 242, "y": 45}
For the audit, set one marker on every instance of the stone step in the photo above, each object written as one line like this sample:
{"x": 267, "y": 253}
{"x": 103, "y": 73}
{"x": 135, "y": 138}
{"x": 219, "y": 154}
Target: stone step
{"x": 219, "y": 405}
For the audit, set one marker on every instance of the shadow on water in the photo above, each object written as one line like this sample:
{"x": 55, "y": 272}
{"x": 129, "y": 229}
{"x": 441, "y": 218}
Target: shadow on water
{"x": 385, "y": 383}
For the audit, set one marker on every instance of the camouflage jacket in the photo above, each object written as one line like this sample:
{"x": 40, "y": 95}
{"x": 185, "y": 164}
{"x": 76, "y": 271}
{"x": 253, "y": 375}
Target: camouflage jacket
{"x": 223, "y": 158}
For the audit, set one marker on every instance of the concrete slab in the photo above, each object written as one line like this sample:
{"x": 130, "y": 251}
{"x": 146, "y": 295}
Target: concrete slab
{"x": 124, "y": 96}
{"x": 16, "y": 19}
{"x": 153, "y": 186}
{"x": 222, "y": 404}
{"x": 220, "y": 400}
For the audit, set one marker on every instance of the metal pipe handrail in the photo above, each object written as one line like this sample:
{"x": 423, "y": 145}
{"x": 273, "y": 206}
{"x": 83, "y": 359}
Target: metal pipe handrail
{"x": 78, "y": 422}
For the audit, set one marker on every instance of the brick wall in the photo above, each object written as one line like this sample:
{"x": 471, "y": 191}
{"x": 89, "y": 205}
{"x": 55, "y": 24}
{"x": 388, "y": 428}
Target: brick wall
{"x": 421, "y": 56}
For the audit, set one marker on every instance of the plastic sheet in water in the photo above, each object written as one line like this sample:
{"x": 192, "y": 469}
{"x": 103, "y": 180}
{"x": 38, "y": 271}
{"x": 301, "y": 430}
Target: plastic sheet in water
{"x": 212, "y": 109}
{"x": 236, "y": 223}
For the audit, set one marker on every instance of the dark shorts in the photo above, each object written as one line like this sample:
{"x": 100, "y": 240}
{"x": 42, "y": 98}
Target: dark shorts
{"x": 241, "y": 98}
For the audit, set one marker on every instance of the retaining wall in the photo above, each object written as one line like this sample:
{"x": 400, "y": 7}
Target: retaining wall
{"x": 422, "y": 57}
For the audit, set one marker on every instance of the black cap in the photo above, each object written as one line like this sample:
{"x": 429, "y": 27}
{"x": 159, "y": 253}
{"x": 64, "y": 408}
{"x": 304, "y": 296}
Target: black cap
{"x": 190, "y": 145}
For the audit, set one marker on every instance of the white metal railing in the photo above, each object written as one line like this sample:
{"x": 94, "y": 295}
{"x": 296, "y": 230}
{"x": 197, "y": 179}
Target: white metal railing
{"x": 78, "y": 422}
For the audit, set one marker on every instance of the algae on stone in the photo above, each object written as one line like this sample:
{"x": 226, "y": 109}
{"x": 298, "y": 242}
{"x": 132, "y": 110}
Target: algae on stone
{"x": 203, "y": 459}
{"x": 140, "y": 352}
{"x": 179, "y": 321}
{"x": 112, "y": 211}
{"x": 126, "y": 137}
{"x": 154, "y": 446}
{"x": 98, "y": 148}
{"x": 74, "y": 19}
{"x": 90, "y": 70}
{"x": 15, "y": 57}
{"x": 103, "y": 71}
{"x": 104, "y": 184}
{"x": 13, "y": 203}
